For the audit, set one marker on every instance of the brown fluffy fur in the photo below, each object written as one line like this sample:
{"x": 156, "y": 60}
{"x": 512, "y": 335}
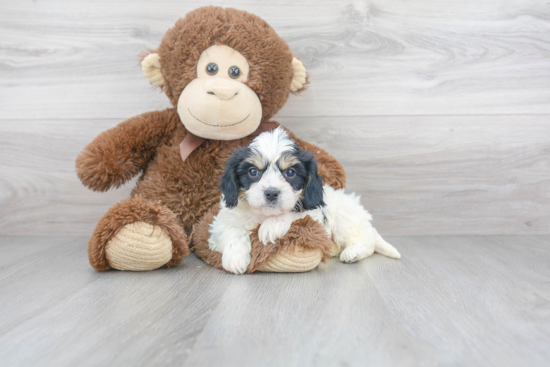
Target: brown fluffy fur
{"x": 305, "y": 233}
{"x": 170, "y": 192}
{"x": 268, "y": 55}
{"x": 129, "y": 211}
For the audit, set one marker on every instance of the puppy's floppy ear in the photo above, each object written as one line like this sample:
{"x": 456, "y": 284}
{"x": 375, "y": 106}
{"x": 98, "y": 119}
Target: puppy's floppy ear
{"x": 313, "y": 191}
{"x": 230, "y": 184}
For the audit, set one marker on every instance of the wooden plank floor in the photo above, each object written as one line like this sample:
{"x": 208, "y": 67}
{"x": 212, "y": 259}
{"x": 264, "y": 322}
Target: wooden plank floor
{"x": 450, "y": 301}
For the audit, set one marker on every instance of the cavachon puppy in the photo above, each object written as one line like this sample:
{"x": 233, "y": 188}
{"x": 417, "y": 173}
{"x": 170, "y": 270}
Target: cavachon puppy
{"x": 272, "y": 183}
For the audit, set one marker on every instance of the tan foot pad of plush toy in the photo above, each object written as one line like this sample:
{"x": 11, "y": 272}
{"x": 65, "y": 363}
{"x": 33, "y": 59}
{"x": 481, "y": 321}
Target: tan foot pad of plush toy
{"x": 139, "y": 246}
{"x": 301, "y": 249}
{"x": 293, "y": 260}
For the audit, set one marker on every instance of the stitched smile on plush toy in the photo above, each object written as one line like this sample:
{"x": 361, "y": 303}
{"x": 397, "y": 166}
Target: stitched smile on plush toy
{"x": 227, "y": 86}
{"x": 226, "y": 125}
{"x": 220, "y": 97}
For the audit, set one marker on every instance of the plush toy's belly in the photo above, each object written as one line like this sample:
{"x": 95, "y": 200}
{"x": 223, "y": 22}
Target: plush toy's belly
{"x": 188, "y": 188}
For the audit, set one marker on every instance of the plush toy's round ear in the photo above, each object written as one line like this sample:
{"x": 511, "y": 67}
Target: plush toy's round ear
{"x": 300, "y": 76}
{"x": 151, "y": 69}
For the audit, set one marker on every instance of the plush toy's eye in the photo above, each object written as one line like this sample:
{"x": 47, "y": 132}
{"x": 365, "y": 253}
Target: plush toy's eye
{"x": 234, "y": 72}
{"x": 211, "y": 69}
{"x": 290, "y": 173}
{"x": 253, "y": 172}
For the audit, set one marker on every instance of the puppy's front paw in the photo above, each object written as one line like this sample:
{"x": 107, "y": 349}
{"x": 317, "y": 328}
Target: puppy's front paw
{"x": 235, "y": 261}
{"x": 274, "y": 228}
{"x": 353, "y": 253}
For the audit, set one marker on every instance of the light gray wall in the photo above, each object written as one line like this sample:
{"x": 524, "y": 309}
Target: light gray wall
{"x": 438, "y": 109}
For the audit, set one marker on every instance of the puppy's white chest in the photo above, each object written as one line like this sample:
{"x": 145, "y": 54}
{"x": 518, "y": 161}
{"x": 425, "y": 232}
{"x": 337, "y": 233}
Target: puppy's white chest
{"x": 253, "y": 221}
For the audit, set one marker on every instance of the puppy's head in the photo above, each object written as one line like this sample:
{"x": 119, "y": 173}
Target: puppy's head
{"x": 273, "y": 175}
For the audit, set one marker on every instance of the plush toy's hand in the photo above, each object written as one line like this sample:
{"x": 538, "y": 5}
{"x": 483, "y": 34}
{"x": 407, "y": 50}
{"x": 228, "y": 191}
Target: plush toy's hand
{"x": 274, "y": 228}
{"x": 117, "y": 155}
{"x": 301, "y": 249}
{"x": 100, "y": 167}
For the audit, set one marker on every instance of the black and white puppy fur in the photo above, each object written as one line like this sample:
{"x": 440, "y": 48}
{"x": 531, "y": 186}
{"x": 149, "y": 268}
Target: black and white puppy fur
{"x": 272, "y": 183}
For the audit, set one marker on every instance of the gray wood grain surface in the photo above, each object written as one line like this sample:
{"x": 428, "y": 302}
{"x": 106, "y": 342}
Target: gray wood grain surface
{"x": 375, "y": 57}
{"x": 439, "y": 110}
{"x": 450, "y": 301}
{"x": 417, "y": 175}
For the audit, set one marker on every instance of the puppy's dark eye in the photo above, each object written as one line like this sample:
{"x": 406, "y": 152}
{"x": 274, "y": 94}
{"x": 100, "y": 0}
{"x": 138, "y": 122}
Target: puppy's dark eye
{"x": 253, "y": 172}
{"x": 211, "y": 69}
{"x": 234, "y": 72}
{"x": 290, "y": 173}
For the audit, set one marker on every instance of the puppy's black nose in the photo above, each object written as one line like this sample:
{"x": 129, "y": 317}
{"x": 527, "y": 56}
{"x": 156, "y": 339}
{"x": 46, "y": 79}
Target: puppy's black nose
{"x": 271, "y": 194}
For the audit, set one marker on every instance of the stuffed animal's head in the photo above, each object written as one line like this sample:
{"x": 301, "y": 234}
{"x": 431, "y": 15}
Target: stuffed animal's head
{"x": 225, "y": 70}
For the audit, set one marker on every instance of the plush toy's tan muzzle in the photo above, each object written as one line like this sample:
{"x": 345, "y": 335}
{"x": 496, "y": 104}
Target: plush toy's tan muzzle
{"x": 222, "y": 88}
{"x": 219, "y": 109}
{"x": 218, "y": 105}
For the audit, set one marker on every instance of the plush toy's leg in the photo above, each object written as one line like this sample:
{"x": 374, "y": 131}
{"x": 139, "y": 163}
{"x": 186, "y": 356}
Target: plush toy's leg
{"x": 301, "y": 249}
{"x": 137, "y": 234}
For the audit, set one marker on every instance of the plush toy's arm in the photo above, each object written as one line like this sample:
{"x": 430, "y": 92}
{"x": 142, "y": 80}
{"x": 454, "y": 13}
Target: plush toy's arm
{"x": 329, "y": 168}
{"x": 118, "y": 154}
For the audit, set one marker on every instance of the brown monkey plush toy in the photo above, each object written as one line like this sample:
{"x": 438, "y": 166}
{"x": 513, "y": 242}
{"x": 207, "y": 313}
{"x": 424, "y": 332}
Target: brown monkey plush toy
{"x": 227, "y": 73}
